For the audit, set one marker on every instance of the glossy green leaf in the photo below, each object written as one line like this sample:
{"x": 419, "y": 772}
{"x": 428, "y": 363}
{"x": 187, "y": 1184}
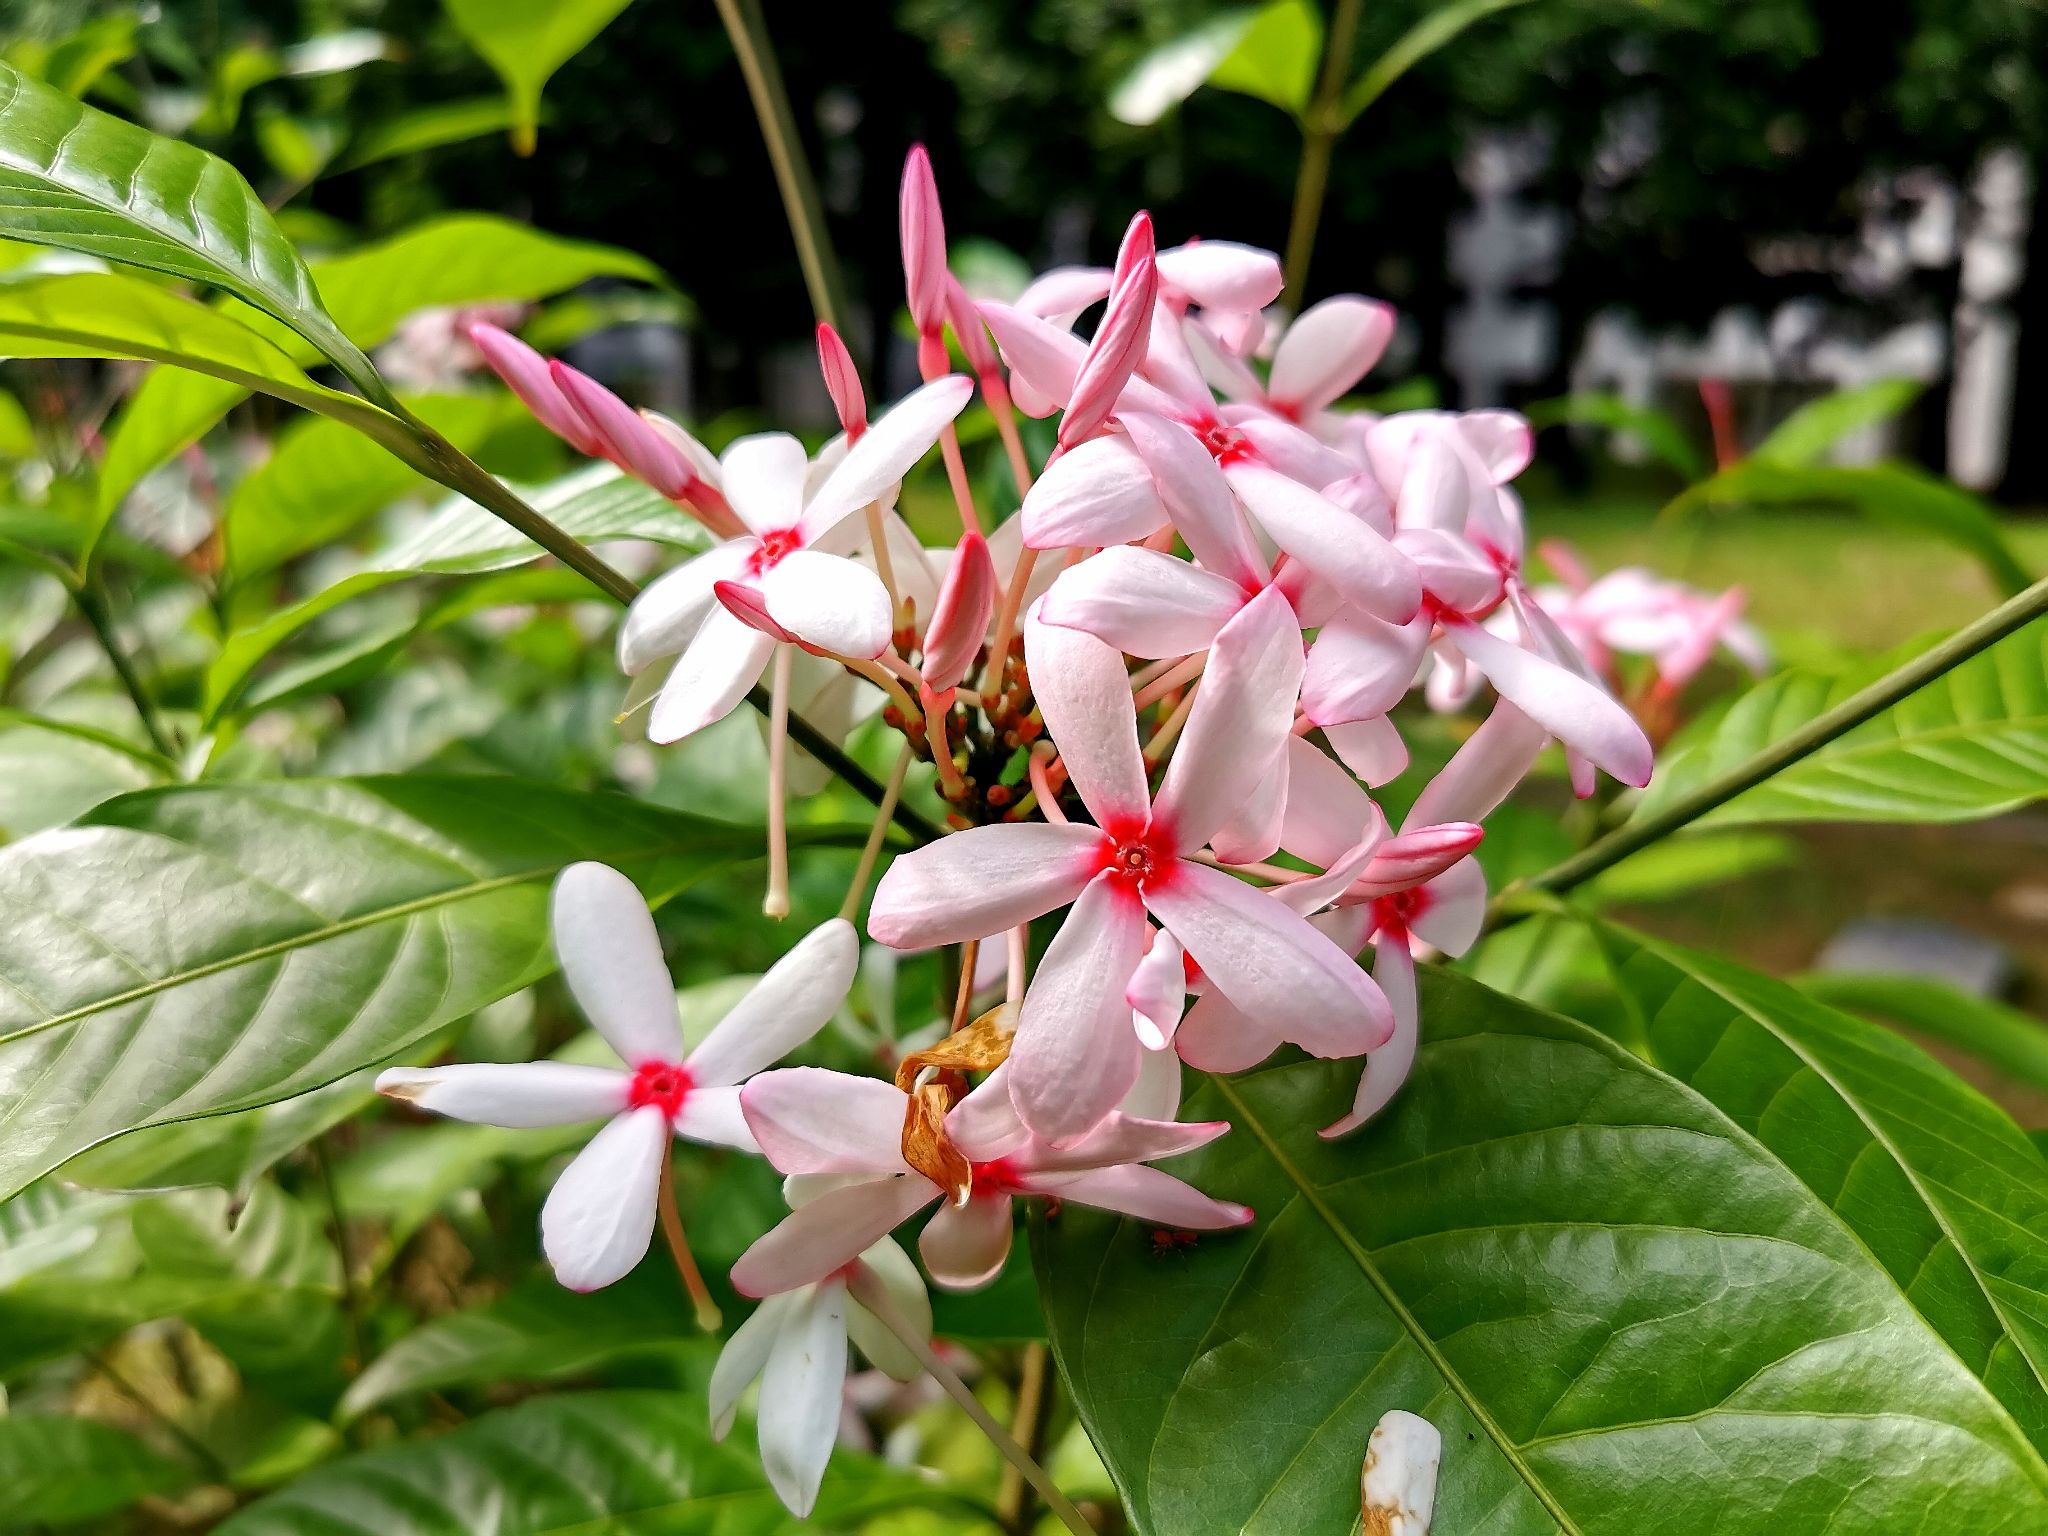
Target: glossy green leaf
{"x": 1654, "y": 429}
{"x": 1937, "y": 1181}
{"x": 423, "y": 128}
{"x": 267, "y": 938}
{"x": 525, "y": 42}
{"x": 1438, "y": 28}
{"x": 60, "y": 1470}
{"x": 1621, "y": 1310}
{"x": 231, "y": 672}
{"x": 2014, "y": 1042}
{"x": 1973, "y": 743}
{"x": 75, "y": 177}
{"x": 1804, "y": 437}
{"x": 592, "y": 504}
{"x": 624, "y": 1463}
{"x": 1174, "y": 71}
{"x": 51, "y": 770}
{"x": 1276, "y": 57}
{"x": 1683, "y": 866}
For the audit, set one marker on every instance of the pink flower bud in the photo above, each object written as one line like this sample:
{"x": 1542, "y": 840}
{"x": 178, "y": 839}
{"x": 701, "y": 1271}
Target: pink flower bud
{"x": 1119, "y": 344}
{"x": 527, "y": 375}
{"x": 744, "y": 603}
{"x": 973, "y": 334}
{"x": 622, "y": 435}
{"x": 842, "y": 382}
{"x": 960, "y": 616}
{"x": 924, "y": 243}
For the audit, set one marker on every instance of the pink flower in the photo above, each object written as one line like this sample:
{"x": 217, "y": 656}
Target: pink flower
{"x": 847, "y": 1131}
{"x": 1328, "y": 349}
{"x": 600, "y": 1215}
{"x": 1076, "y": 1054}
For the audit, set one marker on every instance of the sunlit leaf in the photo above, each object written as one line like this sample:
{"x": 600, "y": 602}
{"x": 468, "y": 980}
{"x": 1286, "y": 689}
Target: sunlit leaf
{"x": 526, "y": 41}
{"x": 1440, "y": 27}
{"x": 1804, "y": 437}
{"x": 1276, "y": 57}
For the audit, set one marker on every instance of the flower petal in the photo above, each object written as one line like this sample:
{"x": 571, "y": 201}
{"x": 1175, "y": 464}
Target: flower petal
{"x": 1222, "y": 274}
{"x": 1388, "y": 1066}
{"x": 889, "y": 1267}
{"x": 623, "y": 435}
{"x": 671, "y": 610}
{"x": 1075, "y": 1054}
{"x": 1197, "y": 498}
{"x": 835, "y": 604}
{"x": 713, "y": 1117}
{"x": 1373, "y": 749}
{"x": 1123, "y": 1139}
{"x": 1481, "y": 773}
{"x": 980, "y": 882}
{"x": 1329, "y": 348}
{"x": 1156, "y": 1094}
{"x": 1142, "y": 602}
{"x": 1501, "y": 441}
{"x": 1097, "y": 494}
{"x": 1043, "y": 355}
{"x": 763, "y": 478}
{"x": 1216, "y": 1036}
{"x": 1364, "y": 568}
{"x": 829, "y": 1233}
{"x": 965, "y": 1246}
{"x": 1243, "y": 712}
{"x": 1577, "y": 711}
{"x": 744, "y": 1357}
{"x": 799, "y": 1410}
{"x": 1252, "y": 830}
{"x": 1155, "y": 1196}
{"x": 527, "y": 375}
{"x": 1118, "y": 345}
{"x": 517, "y": 1095}
{"x": 1271, "y": 962}
{"x": 1085, "y": 695}
{"x": 599, "y": 1217}
{"x": 1158, "y": 992}
{"x": 809, "y": 1120}
{"x": 710, "y": 678}
{"x": 1327, "y": 813}
{"x": 1412, "y": 858}
{"x": 959, "y": 619}
{"x": 1456, "y": 909}
{"x": 892, "y": 443}
{"x": 611, "y": 957}
{"x": 785, "y": 1008}
{"x": 1361, "y": 666}
{"x": 1061, "y": 293}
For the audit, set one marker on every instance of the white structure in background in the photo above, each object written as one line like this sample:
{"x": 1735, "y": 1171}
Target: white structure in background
{"x": 1987, "y": 331}
{"x": 1495, "y": 338}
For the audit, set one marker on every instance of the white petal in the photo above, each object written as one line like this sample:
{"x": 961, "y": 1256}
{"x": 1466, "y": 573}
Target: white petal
{"x": 611, "y": 957}
{"x": 1365, "y": 568}
{"x": 1152, "y": 1195}
{"x": 1299, "y": 455}
{"x": 1577, "y": 711}
{"x": 1373, "y": 749}
{"x": 1398, "y": 1486}
{"x": 785, "y": 1008}
{"x": 1388, "y": 1066}
{"x": 885, "y": 451}
{"x": 1096, "y": 494}
{"x": 1493, "y": 760}
{"x": 820, "y": 1238}
{"x": 837, "y": 605}
{"x": 1156, "y": 1094}
{"x": 1499, "y": 440}
{"x": 978, "y": 883}
{"x": 965, "y": 1246}
{"x": 1252, "y": 830}
{"x": 1327, "y": 813}
{"x": 1456, "y": 910}
{"x": 1158, "y": 992}
{"x": 890, "y": 1267}
{"x": 1084, "y": 692}
{"x": 715, "y": 1118}
{"x": 1217, "y": 1036}
{"x": 1142, "y": 602}
{"x": 1044, "y": 356}
{"x": 1075, "y": 1055}
{"x": 1060, "y": 294}
{"x": 744, "y": 1357}
{"x": 808, "y": 1121}
{"x": 599, "y": 1217}
{"x": 1197, "y": 498}
{"x": 1361, "y": 666}
{"x": 517, "y": 1095}
{"x": 800, "y": 1396}
{"x": 671, "y": 610}
{"x": 710, "y": 678}
{"x": 763, "y": 478}
{"x": 1328, "y": 349}
{"x": 1222, "y": 274}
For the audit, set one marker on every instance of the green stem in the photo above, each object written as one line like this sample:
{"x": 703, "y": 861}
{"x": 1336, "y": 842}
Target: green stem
{"x": 799, "y": 188}
{"x": 1817, "y": 733}
{"x": 1321, "y": 127}
{"x": 344, "y": 1257}
{"x": 101, "y": 622}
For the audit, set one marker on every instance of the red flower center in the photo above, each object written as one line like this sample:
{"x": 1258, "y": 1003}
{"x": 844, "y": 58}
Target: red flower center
{"x": 774, "y": 544}
{"x": 663, "y": 1084}
{"x": 1138, "y": 857}
{"x": 1225, "y": 443}
{"x": 1397, "y": 913}
{"x": 996, "y": 1178}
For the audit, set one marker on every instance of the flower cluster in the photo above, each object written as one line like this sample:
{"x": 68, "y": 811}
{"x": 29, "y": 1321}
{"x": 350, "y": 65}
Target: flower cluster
{"x": 1157, "y": 699}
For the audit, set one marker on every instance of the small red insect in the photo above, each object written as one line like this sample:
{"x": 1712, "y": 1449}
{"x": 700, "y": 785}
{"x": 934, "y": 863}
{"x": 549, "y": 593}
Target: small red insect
{"x": 1164, "y": 1242}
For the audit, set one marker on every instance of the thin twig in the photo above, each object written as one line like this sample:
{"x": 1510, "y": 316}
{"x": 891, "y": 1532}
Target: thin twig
{"x": 95, "y": 614}
{"x": 872, "y": 850}
{"x": 197, "y": 1449}
{"x": 1014, "y": 1506}
{"x": 708, "y": 1317}
{"x": 351, "y": 1298}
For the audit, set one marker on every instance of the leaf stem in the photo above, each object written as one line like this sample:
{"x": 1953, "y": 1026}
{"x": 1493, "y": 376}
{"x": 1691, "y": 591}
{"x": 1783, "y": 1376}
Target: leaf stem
{"x": 1863, "y": 705}
{"x": 351, "y": 1298}
{"x": 857, "y": 891}
{"x": 1014, "y": 1506}
{"x": 200, "y": 1452}
{"x": 1321, "y": 125}
{"x": 876, "y": 1300}
{"x": 94, "y": 611}
{"x": 708, "y": 1317}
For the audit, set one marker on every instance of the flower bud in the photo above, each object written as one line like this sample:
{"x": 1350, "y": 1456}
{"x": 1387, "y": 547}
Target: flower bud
{"x": 923, "y": 230}
{"x": 1119, "y": 344}
{"x": 623, "y": 435}
{"x": 842, "y": 382}
{"x": 527, "y": 375}
{"x": 960, "y": 616}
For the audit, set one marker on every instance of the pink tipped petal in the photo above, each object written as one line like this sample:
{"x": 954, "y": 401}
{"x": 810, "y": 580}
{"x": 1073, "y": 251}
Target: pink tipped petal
{"x": 1577, "y": 711}
{"x": 832, "y": 603}
{"x": 599, "y": 1216}
{"x": 1329, "y": 348}
{"x": 1327, "y": 813}
{"x": 670, "y": 611}
{"x": 517, "y": 1095}
{"x": 1500, "y": 441}
{"x": 1412, "y": 858}
{"x": 1481, "y": 773}
{"x": 1062, "y": 293}
{"x": 1318, "y": 891}
{"x": 750, "y": 606}
{"x": 801, "y": 1391}
{"x": 829, "y": 1233}
{"x": 1222, "y": 274}
{"x": 923, "y": 230}
{"x": 1096, "y": 495}
{"x": 762, "y": 476}
{"x": 1387, "y": 1068}
{"x": 1362, "y": 566}
{"x": 527, "y": 375}
{"x": 1197, "y": 498}
{"x": 785, "y": 1008}
{"x": 623, "y": 435}
{"x": 892, "y": 443}
{"x": 1221, "y": 362}
{"x": 611, "y": 958}
{"x": 972, "y": 334}
{"x": 842, "y": 381}
{"x": 1158, "y": 991}
{"x": 1268, "y": 960}
{"x": 978, "y": 883}
{"x": 808, "y": 1120}
{"x": 1153, "y": 1196}
{"x": 1361, "y": 666}
{"x": 1119, "y": 343}
{"x": 1075, "y": 1054}
{"x": 1084, "y": 693}
{"x": 967, "y": 600}
{"x": 1456, "y": 909}
{"x": 984, "y": 1125}
{"x": 1244, "y": 709}
{"x": 1042, "y": 355}
{"x": 1124, "y": 1139}
{"x": 710, "y": 678}
{"x": 1373, "y": 749}
{"x": 965, "y": 1246}
{"x": 1142, "y": 602}
{"x": 1217, "y": 1037}
{"x": 1361, "y": 496}
{"x": 715, "y": 1118}
{"x": 1453, "y": 571}
{"x": 1168, "y": 362}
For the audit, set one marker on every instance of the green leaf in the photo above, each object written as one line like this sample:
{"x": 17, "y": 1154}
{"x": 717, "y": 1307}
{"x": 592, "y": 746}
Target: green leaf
{"x": 464, "y": 258}
{"x": 74, "y": 177}
{"x": 266, "y": 939}
{"x": 592, "y": 504}
{"x": 425, "y": 128}
{"x": 51, "y": 770}
{"x": 1682, "y": 866}
{"x": 625, "y": 1463}
{"x": 60, "y": 1470}
{"x": 1973, "y": 743}
{"x": 1276, "y": 57}
{"x": 1654, "y": 429}
{"x": 229, "y": 675}
{"x": 1803, "y": 438}
{"x": 1941, "y": 1186}
{"x": 1621, "y": 1310}
{"x": 525, "y": 42}
{"x": 1436, "y": 30}
{"x": 2014, "y": 1042}
{"x": 1169, "y": 74}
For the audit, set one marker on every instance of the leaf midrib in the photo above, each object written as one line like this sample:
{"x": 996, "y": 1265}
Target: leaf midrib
{"x": 1420, "y": 1336}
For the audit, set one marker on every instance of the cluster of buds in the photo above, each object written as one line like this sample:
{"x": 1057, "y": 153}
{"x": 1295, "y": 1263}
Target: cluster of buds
{"x": 1157, "y": 698}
